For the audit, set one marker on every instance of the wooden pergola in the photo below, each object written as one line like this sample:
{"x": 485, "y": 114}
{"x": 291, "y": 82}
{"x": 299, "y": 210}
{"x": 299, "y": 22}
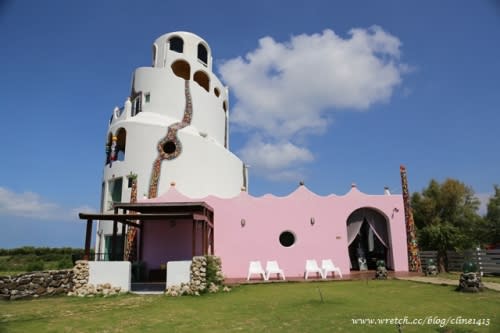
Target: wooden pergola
{"x": 130, "y": 213}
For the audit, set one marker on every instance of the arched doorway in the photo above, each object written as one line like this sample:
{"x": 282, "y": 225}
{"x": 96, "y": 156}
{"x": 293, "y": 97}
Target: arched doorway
{"x": 368, "y": 236}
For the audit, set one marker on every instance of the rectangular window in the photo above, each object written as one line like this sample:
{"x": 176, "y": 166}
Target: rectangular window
{"x": 147, "y": 97}
{"x": 115, "y": 191}
{"x": 117, "y": 254}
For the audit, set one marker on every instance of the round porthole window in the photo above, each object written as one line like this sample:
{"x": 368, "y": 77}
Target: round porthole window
{"x": 287, "y": 238}
{"x": 169, "y": 147}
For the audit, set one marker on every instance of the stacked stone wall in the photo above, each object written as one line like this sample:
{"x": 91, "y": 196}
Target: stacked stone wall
{"x": 206, "y": 276}
{"x": 36, "y": 284}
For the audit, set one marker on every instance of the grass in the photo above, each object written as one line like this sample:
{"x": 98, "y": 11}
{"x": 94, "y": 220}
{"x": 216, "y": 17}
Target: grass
{"x": 20, "y": 263}
{"x": 273, "y": 307}
{"x": 456, "y": 276}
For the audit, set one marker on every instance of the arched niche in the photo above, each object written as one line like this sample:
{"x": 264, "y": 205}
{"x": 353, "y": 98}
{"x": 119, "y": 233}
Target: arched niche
{"x": 181, "y": 69}
{"x": 202, "y": 79}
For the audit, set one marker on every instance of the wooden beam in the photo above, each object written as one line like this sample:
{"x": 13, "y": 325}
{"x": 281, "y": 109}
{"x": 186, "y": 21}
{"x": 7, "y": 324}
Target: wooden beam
{"x": 132, "y": 217}
{"x": 88, "y": 237}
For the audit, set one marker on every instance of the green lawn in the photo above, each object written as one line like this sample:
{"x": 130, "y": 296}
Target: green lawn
{"x": 273, "y": 307}
{"x": 456, "y": 276}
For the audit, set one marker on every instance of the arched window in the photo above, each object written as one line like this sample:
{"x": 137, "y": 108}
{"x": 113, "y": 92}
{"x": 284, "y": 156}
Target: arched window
{"x": 202, "y": 53}
{"x": 176, "y": 44}
{"x": 216, "y": 92}
{"x": 224, "y": 106}
{"x": 202, "y": 79}
{"x": 155, "y": 49}
{"x": 181, "y": 69}
{"x": 120, "y": 144}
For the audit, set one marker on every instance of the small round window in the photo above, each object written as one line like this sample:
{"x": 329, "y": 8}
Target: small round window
{"x": 287, "y": 238}
{"x": 169, "y": 147}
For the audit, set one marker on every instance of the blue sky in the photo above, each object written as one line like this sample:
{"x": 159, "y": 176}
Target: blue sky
{"x": 426, "y": 95}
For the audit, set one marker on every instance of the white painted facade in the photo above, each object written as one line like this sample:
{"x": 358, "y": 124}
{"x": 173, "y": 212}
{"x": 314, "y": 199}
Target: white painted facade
{"x": 178, "y": 272}
{"x": 116, "y": 273}
{"x": 157, "y": 100}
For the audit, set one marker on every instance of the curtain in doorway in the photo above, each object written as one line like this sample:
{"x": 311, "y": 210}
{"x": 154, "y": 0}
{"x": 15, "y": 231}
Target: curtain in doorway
{"x": 354, "y": 225}
{"x": 378, "y": 226}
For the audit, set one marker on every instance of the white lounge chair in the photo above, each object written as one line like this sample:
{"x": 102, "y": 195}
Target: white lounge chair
{"x": 312, "y": 267}
{"x": 255, "y": 267}
{"x": 272, "y": 267}
{"x": 328, "y": 267}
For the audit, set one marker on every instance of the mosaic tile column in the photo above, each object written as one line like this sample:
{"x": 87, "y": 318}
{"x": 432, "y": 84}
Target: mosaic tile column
{"x": 131, "y": 245}
{"x": 414, "y": 264}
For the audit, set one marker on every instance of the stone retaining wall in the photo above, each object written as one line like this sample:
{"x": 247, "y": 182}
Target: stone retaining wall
{"x": 71, "y": 282}
{"x": 36, "y": 284}
{"x": 206, "y": 276}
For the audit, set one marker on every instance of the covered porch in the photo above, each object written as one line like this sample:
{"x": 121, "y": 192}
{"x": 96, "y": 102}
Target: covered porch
{"x": 164, "y": 232}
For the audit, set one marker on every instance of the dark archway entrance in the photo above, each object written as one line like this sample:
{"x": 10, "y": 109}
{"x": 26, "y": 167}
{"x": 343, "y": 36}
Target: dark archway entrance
{"x": 368, "y": 238}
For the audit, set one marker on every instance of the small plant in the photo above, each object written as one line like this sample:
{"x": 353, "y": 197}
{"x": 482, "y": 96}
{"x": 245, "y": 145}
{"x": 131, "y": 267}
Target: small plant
{"x": 214, "y": 273}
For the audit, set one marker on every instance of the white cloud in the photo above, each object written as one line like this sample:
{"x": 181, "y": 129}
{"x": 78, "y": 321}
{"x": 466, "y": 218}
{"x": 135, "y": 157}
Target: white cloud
{"x": 484, "y": 198}
{"x": 286, "y": 91}
{"x": 273, "y": 160}
{"x": 32, "y": 205}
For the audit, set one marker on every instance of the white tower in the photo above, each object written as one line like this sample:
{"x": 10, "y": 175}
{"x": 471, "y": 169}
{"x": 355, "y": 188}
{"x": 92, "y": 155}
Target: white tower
{"x": 173, "y": 128}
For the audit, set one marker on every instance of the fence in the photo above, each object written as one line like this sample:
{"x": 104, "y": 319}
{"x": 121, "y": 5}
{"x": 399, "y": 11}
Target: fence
{"x": 104, "y": 256}
{"x": 487, "y": 261}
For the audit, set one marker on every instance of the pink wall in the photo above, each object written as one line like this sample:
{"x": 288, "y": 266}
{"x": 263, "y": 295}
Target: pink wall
{"x": 268, "y": 216}
{"x": 165, "y": 241}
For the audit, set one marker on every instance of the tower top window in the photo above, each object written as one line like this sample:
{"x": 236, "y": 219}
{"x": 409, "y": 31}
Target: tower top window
{"x": 202, "y": 53}
{"x": 176, "y": 44}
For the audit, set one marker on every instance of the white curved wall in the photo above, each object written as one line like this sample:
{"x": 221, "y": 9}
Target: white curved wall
{"x": 204, "y": 166}
{"x": 190, "y": 50}
{"x": 167, "y": 98}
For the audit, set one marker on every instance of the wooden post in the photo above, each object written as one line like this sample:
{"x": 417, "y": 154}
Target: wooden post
{"x": 88, "y": 237}
{"x": 124, "y": 239}
{"x": 212, "y": 241}
{"x": 112, "y": 257}
{"x": 141, "y": 242}
{"x": 193, "y": 235}
{"x": 204, "y": 238}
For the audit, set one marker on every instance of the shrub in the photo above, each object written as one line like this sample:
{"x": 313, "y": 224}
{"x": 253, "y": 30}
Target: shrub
{"x": 35, "y": 266}
{"x": 214, "y": 273}
{"x": 64, "y": 263}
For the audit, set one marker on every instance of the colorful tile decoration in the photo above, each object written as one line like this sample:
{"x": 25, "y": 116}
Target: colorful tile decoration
{"x": 170, "y": 137}
{"x": 414, "y": 264}
{"x": 131, "y": 245}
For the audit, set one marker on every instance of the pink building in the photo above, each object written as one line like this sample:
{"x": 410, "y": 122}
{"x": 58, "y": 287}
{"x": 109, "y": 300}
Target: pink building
{"x": 288, "y": 229}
